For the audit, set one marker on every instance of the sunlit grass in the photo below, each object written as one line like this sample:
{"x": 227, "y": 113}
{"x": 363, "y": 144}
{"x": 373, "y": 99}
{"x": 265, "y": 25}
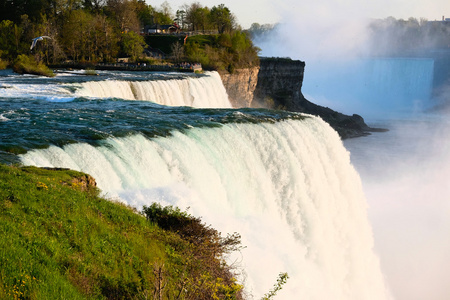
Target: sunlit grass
{"x": 60, "y": 240}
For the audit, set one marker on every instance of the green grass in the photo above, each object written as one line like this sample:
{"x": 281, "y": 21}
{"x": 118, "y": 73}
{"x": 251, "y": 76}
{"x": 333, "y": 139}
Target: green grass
{"x": 60, "y": 240}
{"x": 203, "y": 40}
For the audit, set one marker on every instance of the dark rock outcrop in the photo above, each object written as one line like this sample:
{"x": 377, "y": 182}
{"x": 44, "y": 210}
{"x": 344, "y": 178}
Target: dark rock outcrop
{"x": 278, "y": 86}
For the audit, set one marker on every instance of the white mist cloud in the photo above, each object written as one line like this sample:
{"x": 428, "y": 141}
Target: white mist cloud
{"x": 336, "y": 29}
{"x": 315, "y": 32}
{"x": 405, "y": 174}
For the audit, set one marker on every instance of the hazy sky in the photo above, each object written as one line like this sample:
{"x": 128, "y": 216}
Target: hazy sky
{"x": 265, "y": 11}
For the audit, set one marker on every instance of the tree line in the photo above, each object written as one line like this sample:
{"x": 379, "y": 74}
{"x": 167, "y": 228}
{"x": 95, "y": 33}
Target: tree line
{"x": 102, "y": 30}
{"x": 389, "y": 36}
{"x": 393, "y": 36}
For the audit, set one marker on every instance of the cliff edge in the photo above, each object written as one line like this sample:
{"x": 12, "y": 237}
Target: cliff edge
{"x": 277, "y": 84}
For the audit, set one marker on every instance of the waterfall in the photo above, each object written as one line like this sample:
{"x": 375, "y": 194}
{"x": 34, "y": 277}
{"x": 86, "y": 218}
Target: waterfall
{"x": 287, "y": 187}
{"x": 201, "y": 92}
{"x": 401, "y": 81}
{"x": 371, "y": 86}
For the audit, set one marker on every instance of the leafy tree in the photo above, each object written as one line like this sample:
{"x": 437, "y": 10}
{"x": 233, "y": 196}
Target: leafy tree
{"x": 245, "y": 53}
{"x": 227, "y": 51}
{"x": 166, "y": 11}
{"x": 9, "y": 39}
{"x": 104, "y": 39}
{"x": 202, "y": 16}
{"x": 392, "y": 37}
{"x": 48, "y": 49}
{"x": 76, "y": 35}
{"x": 190, "y": 19}
{"x": 94, "y": 6}
{"x": 196, "y": 53}
{"x": 98, "y": 30}
{"x": 198, "y": 17}
{"x": 13, "y": 10}
{"x": 222, "y": 18}
{"x": 57, "y": 8}
{"x": 180, "y": 18}
{"x": 124, "y": 13}
{"x": 87, "y": 37}
{"x": 257, "y": 29}
{"x": 144, "y": 12}
{"x": 133, "y": 44}
{"x": 177, "y": 51}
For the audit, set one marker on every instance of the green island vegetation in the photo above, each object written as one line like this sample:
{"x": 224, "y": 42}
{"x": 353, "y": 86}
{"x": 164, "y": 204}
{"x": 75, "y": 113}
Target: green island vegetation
{"x": 60, "y": 240}
{"x": 28, "y": 65}
{"x": 91, "y": 32}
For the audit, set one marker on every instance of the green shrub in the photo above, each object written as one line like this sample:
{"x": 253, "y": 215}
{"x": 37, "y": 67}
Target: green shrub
{"x": 25, "y": 64}
{"x": 3, "y": 64}
{"x": 191, "y": 228}
{"x": 210, "y": 276}
{"x": 90, "y": 72}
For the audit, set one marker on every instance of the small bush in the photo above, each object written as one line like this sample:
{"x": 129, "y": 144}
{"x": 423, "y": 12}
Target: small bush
{"x": 191, "y": 228}
{"x": 3, "y": 64}
{"x": 90, "y": 72}
{"x": 204, "y": 260}
{"x": 25, "y": 64}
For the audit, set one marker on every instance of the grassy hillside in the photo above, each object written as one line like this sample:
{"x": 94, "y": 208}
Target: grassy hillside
{"x": 60, "y": 240}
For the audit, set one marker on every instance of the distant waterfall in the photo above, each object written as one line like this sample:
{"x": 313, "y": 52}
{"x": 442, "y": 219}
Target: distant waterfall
{"x": 371, "y": 86}
{"x": 400, "y": 80}
{"x": 287, "y": 187}
{"x": 201, "y": 92}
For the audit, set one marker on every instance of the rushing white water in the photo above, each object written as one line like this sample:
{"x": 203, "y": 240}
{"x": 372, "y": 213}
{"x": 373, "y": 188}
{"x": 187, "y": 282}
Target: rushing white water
{"x": 48, "y": 92}
{"x": 288, "y": 188}
{"x": 201, "y": 92}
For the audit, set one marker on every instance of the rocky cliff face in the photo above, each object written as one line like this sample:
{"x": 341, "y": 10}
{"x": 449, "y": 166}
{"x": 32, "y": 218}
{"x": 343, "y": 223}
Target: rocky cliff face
{"x": 277, "y": 85}
{"x": 240, "y": 86}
